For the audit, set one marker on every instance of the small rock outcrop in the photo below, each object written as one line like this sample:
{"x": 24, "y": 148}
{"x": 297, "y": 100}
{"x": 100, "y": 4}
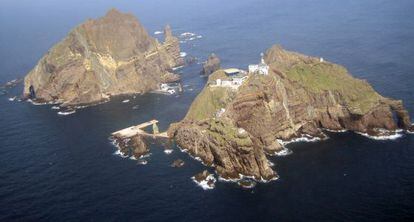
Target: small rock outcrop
{"x": 211, "y": 65}
{"x": 205, "y": 179}
{"x": 100, "y": 58}
{"x": 135, "y": 146}
{"x": 232, "y": 129}
{"x": 177, "y": 163}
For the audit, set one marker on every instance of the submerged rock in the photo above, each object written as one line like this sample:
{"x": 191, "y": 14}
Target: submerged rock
{"x": 246, "y": 183}
{"x": 211, "y": 65}
{"x": 109, "y": 56}
{"x": 177, "y": 163}
{"x": 299, "y": 98}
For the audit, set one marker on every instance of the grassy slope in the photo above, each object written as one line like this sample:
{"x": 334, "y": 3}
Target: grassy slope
{"x": 210, "y": 100}
{"x": 359, "y": 96}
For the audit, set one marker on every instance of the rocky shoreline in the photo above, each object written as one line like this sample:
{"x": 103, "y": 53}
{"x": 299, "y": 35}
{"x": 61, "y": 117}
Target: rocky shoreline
{"x": 233, "y": 129}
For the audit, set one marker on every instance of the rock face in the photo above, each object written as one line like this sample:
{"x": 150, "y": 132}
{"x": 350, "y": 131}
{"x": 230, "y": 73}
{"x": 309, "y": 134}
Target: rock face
{"x": 232, "y": 129}
{"x": 100, "y": 58}
{"x": 211, "y": 65}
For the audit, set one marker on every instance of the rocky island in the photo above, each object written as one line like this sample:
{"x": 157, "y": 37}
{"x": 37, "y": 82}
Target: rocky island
{"x": 242, "y": 116}
{"x": 100, "y": 58}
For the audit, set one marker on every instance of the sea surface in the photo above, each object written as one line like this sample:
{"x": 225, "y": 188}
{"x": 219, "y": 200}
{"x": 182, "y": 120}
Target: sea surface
{"x": 63, "y": 168}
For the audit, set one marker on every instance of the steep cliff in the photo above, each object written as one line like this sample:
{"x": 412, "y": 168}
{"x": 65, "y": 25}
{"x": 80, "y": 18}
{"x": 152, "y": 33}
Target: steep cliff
{"x": 301, "y": 96}
{"x": 100, "y": 58}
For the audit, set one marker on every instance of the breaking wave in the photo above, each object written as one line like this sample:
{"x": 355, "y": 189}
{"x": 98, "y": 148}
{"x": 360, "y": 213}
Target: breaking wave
{"x": 284, "y": 152}
{"x": 396, "y": 134}
{"x": 204, "y": 183}
{"x": 65, "y": 113}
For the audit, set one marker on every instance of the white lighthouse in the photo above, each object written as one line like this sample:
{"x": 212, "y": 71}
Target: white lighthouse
{"x": 261, "y": 69}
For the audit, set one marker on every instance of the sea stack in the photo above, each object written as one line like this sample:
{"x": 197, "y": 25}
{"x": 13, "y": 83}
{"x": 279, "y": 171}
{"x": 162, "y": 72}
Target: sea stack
{"x": 211, "y": 65}
{"x": 242, "y": 116}
{"x": 109, "y": 56}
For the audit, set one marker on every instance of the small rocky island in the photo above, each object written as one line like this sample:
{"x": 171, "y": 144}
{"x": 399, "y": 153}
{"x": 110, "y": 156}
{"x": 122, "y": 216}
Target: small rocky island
{"x": 100, "y": 58}
{"x": 242, "y": 116}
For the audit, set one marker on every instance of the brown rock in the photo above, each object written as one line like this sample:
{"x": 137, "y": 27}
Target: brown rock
{"x": 177, "y": 163}
{"x": 301, "y": 96}
{"x": 211, "y": 65}
{"x": 105, "y": 57}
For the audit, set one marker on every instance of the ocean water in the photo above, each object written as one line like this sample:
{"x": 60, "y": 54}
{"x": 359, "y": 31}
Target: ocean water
{"x": 63, "y": 168}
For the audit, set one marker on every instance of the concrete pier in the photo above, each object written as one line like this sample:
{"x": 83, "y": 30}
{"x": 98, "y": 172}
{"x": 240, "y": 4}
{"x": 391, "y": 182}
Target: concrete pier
{"x": 138, "y": 129}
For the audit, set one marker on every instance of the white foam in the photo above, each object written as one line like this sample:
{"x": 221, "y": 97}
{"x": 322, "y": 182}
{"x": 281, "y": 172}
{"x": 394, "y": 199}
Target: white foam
{"x": 241, "y": 177}
{"x": 65, "y": 113}
{"x": 168, "y": 151}
{"x": 303, "y": 138}
{"x": 199, "y": 36}
{"x": 157, "y": 32}
{"x": 204, "y": 183}
{"x": 119, "y": 153}
{"x": 394, "y": 136}
{"x": 336, "y": 131}
{"x": 145, "y": 155}
{"x": 55, "y": 107}
{"x": 276, "y": 177}
{"x": 183, "y": 54}
{"x": 187, "y": 34}
{"x": 284, "y": 152}
{"x": 142, "y": 162}
{"x": 251, "y": 185}
{"x": 11, "y": 99}
{"x": 35, "y": 103}
{"x": 135, "y": 107}
{"x": 125, "y": 101}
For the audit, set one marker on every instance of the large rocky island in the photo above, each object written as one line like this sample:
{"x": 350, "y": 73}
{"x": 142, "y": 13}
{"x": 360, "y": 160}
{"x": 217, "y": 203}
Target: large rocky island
{"x": 100, "y": 58}
{"x": 239, "y": 118}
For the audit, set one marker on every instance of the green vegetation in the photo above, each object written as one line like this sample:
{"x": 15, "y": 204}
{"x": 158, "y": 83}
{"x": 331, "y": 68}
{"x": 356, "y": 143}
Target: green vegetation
{"x": 226, "y": 132}
{"x": 210, "y": 100}
{"x": 318, "y": 77}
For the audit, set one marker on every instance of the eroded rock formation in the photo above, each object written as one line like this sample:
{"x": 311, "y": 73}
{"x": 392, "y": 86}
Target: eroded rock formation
{"x": 232, "y": 129}
{"x": 100, "y": 58}
{"x": 211, "y": 65}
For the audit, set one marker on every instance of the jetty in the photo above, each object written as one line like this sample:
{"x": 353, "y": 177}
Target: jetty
{"x": 138, "y": 130}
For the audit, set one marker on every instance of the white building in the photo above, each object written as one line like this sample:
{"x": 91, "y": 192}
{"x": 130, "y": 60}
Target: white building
{"x": 234, "y": 78}
{"x": 261, "y": 69}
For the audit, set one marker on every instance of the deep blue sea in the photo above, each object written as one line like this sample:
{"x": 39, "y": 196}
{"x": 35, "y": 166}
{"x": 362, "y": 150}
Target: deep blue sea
{"x": 63, "y": 168}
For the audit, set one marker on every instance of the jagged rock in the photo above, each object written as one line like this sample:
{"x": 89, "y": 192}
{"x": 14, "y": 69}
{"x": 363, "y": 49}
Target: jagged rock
{"x": 217, "y": 142}
{"x": 205, "y": 180}
{"x": 300, "y": 97}
{"x": 100, "y": 58}
{"x": 135, "y": 146}
{"x": 211, "y": 65}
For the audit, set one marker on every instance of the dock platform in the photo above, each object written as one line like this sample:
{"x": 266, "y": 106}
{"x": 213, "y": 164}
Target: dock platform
{"x": 138, "y": 129}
